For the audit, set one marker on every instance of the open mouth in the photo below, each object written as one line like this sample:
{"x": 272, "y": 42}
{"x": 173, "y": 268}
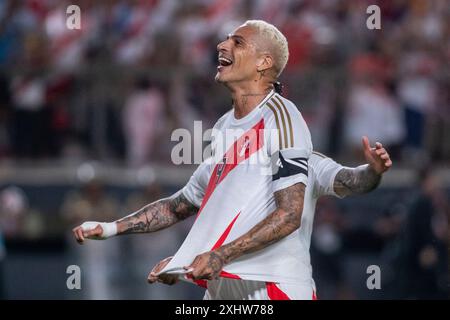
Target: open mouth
{"x": 224, "y": 62}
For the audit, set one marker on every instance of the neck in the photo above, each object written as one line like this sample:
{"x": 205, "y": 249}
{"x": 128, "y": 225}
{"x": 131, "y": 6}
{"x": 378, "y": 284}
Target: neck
{"x": 245, "y": 99}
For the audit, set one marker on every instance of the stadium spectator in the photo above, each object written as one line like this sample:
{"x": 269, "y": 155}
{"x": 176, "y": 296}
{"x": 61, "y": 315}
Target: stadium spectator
{"x": 143, "y": 115}
{"x": 5, "y": 114}
{"x": 13, "y": 209}
{"x": 151, "y": 245}
{"x": 2, "y": 261}
{"x": 122, "y": 37}
{"x": 327, "y": 250}
{"x": 31, "y": 119}
{"x": 372, "y": 107}
{"x": 424, "y": 242}
{"x": 93, "y": 203}
{"x": 417, "y": 91}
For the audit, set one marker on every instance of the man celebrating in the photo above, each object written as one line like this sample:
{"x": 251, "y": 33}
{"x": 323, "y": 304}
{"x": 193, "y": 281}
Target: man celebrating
{"x": 247, "y": 223}
{"x": 325, "y": 177}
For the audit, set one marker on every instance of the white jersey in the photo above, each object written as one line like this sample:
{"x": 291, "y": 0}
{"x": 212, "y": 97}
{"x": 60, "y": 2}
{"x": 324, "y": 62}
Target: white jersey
{"x": 321, "y": 174}
{"x": 269, "y": 153}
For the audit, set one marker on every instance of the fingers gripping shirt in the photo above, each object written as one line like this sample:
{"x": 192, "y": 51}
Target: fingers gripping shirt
{"x": 254, "y": 156}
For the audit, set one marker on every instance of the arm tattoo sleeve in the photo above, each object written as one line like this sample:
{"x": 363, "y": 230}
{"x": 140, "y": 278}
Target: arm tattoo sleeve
{"x": 357, "y": 180}
{"x": 157, "y": 215}
{"x": 280, "y": 223}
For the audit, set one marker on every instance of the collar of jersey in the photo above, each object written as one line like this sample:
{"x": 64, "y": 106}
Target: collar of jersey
{"x": 251, "y": 115}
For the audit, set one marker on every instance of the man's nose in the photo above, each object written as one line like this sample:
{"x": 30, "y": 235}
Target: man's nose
{"x": 222, "y": 46}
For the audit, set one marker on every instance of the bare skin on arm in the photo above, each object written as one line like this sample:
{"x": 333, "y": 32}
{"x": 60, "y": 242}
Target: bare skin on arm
{"x": 248, "y": 68}
{"x": 348, "y": 181}
{"x": 153, "y": 217}
{"x": 279, "y": 224}
{"x": 157, "y": 215}
{"x": 364, "y": 178}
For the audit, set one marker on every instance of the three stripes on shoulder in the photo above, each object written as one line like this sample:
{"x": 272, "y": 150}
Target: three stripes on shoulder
{"x": 282, "y": 120}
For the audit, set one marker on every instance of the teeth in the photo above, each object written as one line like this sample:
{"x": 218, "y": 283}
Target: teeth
{"x": 222, "y": 59}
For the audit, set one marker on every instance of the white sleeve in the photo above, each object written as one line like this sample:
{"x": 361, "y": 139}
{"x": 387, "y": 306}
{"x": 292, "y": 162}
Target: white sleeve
{"x": 194, "y": 190}
{"x": 289, "y": 146}
{"x": 325, "y": 171}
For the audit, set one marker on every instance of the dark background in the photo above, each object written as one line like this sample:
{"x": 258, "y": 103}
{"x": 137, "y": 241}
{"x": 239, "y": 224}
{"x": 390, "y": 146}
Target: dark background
{"x": 86, "y": 118}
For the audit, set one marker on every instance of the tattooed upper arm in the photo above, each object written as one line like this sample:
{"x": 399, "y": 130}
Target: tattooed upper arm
{"x": 290, "y": 200}
{"x": 357, "y": 180}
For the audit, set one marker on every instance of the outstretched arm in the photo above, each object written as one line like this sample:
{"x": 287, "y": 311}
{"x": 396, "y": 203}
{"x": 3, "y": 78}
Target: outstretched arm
{"x": 157, "y": 215}
{"x": 365, "y": 178}
{"x": 357, "y": 180}
{"x": 280, "y": 223}
{"x": 153, "y": 217}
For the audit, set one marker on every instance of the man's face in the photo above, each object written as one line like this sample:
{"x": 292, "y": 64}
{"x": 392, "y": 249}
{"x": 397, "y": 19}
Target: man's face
{"x": 238, "y": 57}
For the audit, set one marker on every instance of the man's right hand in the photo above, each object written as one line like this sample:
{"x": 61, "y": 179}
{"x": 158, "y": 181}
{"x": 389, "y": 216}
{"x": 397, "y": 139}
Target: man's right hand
{"x": 169, "y": 279}
{"x": 94, "y": 230}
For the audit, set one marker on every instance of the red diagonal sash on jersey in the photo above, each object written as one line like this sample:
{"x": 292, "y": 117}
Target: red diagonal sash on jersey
{"x": 275, "y": 293}
{"x": 202, "y": 282}
{"x": 225, "y": 233}
{"x": 252, "y": 141}
{"x": 219, "y": 243}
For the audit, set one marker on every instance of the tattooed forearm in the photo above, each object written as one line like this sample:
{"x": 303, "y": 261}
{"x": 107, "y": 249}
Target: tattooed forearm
{"x": 280, "y": 223}
{"x": 157, "y": 215}
{"x": 357, "y": 180}
{"x": 215, "y": 262}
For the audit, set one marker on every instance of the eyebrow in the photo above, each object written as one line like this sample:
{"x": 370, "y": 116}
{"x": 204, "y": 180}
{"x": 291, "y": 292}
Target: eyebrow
{"x": 235, "y": 36}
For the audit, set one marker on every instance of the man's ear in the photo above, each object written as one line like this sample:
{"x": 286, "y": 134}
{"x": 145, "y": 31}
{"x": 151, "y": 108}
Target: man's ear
{"x": 264, "y": 63}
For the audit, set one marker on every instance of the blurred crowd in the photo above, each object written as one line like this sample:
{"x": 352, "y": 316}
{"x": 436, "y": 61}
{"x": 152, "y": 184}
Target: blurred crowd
{"x": 404, "y": 232}
{"x": 116, "y": 89}
{"x": 136, "y": 70}
{"x": 112, "y": 269}
{"x": 407, "y": 237}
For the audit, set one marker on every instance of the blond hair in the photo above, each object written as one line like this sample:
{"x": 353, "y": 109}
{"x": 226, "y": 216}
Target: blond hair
{"x": 278, "y": 47}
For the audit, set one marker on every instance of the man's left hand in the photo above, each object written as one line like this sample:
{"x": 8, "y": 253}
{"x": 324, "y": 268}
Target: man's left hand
{"x": 207, "y": 266}
{"x": 377, "y": 158}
